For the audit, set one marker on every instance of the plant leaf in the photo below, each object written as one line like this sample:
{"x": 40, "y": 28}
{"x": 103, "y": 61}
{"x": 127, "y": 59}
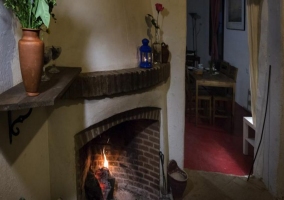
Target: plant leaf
{"x": 43, "y": 12}
{"x": 35, "y": 7}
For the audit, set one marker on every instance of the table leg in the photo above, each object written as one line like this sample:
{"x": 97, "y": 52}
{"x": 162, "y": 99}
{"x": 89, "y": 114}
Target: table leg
{"x": 245, "y": 136}
{"x": 233, "y": 106}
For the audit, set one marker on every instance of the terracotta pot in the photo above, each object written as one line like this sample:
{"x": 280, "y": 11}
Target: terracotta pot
{"x": 177, "y": 180}
{"x": 31, "y": 50}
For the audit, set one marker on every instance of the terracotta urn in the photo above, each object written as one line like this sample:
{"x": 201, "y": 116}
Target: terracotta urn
{"x": 177, "y": 180}
{"x": 165, "y": 53}
{"x": 31, "y": 50}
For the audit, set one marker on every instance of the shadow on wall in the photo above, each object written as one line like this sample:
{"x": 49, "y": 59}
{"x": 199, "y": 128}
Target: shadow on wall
{"x": 81, "y": 40}
{"x": 73, "y": 38}
{"x": 163, "y": 18}
{"x": 28, "y": 130}
{"x": 151, "y": 27}
{"x": 99, "y": 35}
{"x": 7, "y": 48}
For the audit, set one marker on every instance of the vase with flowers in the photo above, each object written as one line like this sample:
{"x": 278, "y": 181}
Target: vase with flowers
{"x": 156, "y": 46}
{"x": 33, "y": 15}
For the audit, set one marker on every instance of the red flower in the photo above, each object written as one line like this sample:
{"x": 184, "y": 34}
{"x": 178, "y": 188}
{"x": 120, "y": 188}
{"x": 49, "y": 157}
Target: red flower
{"x": 159, "y": 7}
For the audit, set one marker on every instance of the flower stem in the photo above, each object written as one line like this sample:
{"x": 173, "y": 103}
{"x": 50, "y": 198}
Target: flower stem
{"x": 158, "y": 20}
{"x": 30, "y": 13}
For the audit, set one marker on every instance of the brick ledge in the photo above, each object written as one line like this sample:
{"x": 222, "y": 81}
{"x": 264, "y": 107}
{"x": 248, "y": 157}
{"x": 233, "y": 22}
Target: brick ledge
{"x": 117, "y": 82}
{"x": 86, "y": 135}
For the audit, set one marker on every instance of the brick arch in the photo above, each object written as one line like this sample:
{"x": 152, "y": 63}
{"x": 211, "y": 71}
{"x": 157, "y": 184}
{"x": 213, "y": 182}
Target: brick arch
{"x": 84, "y": 136}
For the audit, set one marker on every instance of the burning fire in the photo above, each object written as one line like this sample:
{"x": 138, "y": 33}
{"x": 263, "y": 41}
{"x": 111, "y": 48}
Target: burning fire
{"x": 105, "y": 159}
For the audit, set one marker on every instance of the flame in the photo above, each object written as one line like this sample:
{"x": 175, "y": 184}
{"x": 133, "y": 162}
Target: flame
{"x": 105, "y": 159}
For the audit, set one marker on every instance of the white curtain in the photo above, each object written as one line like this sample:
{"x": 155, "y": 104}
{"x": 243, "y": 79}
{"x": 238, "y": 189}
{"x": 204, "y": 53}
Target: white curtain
{"x": 270, "y": 158}
{"x": 253, "y": 19}
{"x": 254, "y": 8}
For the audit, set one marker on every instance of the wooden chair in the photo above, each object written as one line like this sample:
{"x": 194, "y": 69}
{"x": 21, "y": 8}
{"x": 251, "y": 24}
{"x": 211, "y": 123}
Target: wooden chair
{"x": 191, "y": 58}
{"x": 204, "y": 98}
{"x": 222, "y": 99}
{"x": 224, "y": 68}
{"x": 205, "y": 102}
{"x": 233, "y": 72}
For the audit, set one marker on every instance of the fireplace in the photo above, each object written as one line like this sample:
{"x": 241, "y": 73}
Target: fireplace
{"x": 96, "y": 103}
{"x": 130, "y": 141}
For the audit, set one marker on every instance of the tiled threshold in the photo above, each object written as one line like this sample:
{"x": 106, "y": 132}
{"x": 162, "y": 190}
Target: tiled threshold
{"x": 216, "y": 186}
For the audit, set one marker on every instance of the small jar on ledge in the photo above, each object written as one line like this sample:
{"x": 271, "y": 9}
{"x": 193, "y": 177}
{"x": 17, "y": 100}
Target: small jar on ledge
{"x": 165, "y": 53}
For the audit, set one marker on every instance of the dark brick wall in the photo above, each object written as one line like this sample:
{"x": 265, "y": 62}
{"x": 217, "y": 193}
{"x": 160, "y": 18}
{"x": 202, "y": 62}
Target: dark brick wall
{"x": 132, "y": 149}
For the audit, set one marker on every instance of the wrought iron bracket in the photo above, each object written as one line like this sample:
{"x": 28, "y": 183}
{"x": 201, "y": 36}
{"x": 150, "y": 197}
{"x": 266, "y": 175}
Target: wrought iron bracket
{"x": 12, "y": 124}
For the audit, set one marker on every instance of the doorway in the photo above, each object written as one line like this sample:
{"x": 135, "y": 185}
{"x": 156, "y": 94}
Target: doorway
{"x": 217, "y": 148}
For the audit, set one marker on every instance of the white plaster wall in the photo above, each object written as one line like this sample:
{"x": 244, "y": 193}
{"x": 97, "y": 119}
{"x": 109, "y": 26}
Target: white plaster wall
{"x": 7, "y": 49}
{"x": 10, "y": 33}
{"x": 269, "y": 166}
{"x": 280, "y": 173}
{"x": 98, "y": 36}
{"x": 236, "y": 52}
{"x": 174, "y": 27}
{"x": 24, "y": 164}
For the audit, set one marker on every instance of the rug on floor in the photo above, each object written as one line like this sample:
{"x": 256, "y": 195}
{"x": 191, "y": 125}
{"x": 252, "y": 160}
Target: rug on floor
{"x": 213, "y": 148}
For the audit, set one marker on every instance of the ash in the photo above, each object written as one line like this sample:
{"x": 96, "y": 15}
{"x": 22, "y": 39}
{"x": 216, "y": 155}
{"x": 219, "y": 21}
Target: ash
{"x": 127, "y": 195}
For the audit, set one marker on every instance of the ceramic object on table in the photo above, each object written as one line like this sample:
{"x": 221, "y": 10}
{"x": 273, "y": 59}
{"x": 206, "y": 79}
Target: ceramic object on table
{"x": 31, "y": 50}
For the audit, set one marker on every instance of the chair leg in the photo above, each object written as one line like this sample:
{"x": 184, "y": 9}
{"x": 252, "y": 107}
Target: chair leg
{"x": 245, "y": 135}
{"x": 213, "y": 112}
{"x": 210, "y": 111}
{"x": 204, "y": 109}
{"x": 232, "y": 118}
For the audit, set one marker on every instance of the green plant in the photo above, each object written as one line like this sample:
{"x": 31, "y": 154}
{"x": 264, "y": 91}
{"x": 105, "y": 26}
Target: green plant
{"x": 32, "y": 13}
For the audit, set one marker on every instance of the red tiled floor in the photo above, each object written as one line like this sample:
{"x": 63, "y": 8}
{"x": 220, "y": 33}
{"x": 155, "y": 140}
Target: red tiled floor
{"x": 217, "y": 148}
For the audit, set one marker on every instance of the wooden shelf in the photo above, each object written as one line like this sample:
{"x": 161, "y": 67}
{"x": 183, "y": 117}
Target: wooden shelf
{"x": 247, "y": 122}
{"x": 251, "y": 141}
{"x": 16, "y": 98}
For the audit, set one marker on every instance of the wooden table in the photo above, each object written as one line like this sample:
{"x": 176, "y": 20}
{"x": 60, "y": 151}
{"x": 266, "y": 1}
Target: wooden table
{"x": 216, "y": 80}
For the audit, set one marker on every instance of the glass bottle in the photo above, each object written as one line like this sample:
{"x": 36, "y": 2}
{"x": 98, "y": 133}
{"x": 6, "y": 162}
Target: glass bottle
{"x": 157, "y": 48}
